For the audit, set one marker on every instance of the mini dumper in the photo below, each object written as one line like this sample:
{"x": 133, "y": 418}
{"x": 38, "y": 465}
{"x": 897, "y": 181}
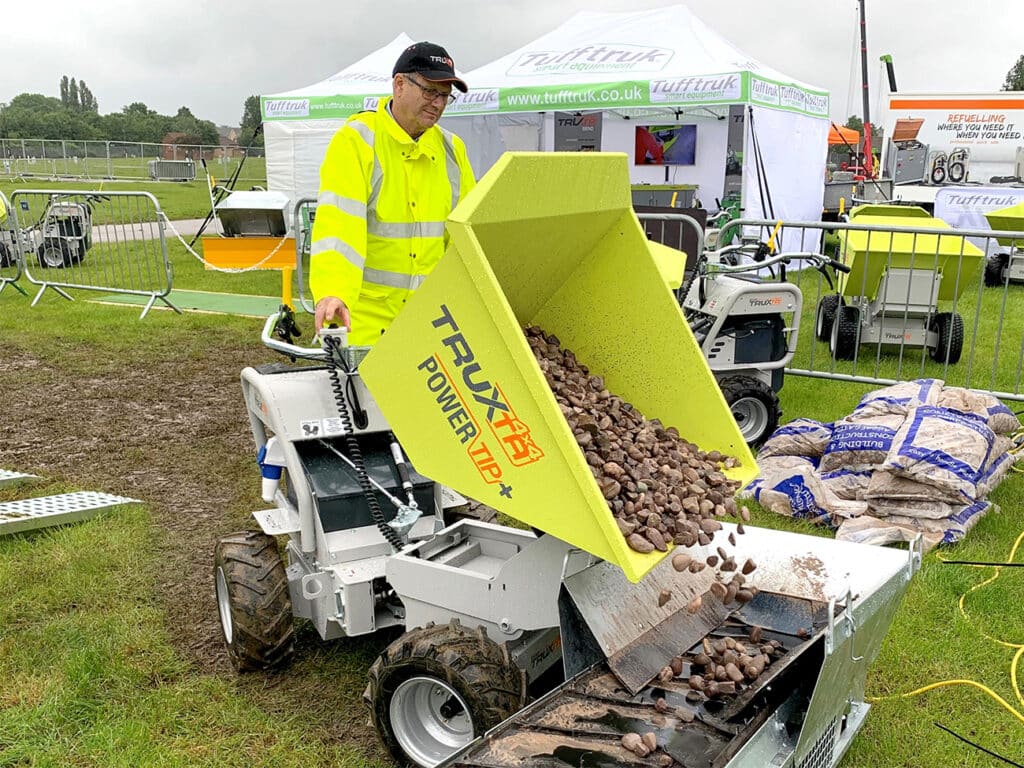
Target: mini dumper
{"x": 891, "y": 294}
{"x": 365, "y": 454}
{"x": 63, "y": 234}
{"x": 748, "y": 327}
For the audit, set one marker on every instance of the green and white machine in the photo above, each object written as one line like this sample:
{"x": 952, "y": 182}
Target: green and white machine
{"x": 363, "y": 455}
{"x": 896, "y": 281}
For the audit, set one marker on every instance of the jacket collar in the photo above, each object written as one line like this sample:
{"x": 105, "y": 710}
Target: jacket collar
{"x": 397, "y": 132}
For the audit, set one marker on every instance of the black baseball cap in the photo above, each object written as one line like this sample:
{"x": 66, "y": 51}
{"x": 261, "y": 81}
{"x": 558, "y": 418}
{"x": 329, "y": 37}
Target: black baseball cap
{"x": 430, "y": 60}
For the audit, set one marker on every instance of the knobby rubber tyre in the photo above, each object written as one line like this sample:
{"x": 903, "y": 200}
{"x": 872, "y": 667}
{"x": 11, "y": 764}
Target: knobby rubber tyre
{"x": 994, "y": 269}
{"x": 253, "y": 602}
{"x": 826, "y": 315}
{"x": 54, "y": 254}
{"x": 438, "y": 687}
{"x": 845, "y": 338}
{"x": 950, "y": 344}
{"x": 754, "y": 406}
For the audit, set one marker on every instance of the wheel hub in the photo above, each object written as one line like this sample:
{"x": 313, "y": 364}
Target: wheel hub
{"x": 751, "y": 416}
{"x": 430, "y": 720}
{"x": 53, "y": 256}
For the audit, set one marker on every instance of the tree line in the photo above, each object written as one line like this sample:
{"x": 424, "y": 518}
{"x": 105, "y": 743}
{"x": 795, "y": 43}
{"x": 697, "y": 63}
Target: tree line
{"x": 75, "y": 116}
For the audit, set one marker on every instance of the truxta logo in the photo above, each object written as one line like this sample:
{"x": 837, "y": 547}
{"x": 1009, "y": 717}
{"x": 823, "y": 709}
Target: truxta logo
{"x": 771, "y": 301}
{"x": 466, "y": 397}
{"x": 593, "y": 58}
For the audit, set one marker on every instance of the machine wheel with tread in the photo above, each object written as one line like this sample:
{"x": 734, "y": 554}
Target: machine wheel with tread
{"x": 6, "y": 259}
{"x": 950, "y": 328}
{"x": 845, "y": 337}
{"x": 994, "y": 269}
{"x": 956, "y": 172}
{"x": 253, "y": 601}
{"x": 54, "y": 254}
{"x": 826, "y": 315}
{"x": 438, "y": 687}
{"x": 754, "y": 406}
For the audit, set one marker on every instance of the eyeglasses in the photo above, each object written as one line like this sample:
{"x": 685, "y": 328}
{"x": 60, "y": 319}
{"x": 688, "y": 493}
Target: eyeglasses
{"x": 432, "y": 94}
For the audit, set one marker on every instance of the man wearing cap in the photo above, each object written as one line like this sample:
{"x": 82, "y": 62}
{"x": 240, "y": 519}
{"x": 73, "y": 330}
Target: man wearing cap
{"x": 387, "y": 184}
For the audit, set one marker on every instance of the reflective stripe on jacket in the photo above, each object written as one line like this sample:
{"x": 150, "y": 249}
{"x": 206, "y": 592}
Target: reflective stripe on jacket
{"x": 379, "y": 225}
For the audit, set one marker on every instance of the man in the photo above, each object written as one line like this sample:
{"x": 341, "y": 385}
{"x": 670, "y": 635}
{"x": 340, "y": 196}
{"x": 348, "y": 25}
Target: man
{"x": 387, "y": 184}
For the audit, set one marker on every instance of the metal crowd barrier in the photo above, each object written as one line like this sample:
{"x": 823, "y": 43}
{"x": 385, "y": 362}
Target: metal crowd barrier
{"x": 981, "y": 289}
{"x": 10, "y": 254}
{"x": 302, "y": 227}
{"x": 111, "y": 242}
{"x": 676, "y": 230}
{"x": 79, "y": 159}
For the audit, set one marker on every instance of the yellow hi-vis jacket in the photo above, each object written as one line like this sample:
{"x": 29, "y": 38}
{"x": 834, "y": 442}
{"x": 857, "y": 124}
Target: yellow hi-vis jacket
{"x": 379, "y": 225}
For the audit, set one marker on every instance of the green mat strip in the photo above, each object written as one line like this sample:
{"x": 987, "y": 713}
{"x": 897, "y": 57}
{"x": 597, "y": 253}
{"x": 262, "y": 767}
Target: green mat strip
{"x": 202, "y": 301}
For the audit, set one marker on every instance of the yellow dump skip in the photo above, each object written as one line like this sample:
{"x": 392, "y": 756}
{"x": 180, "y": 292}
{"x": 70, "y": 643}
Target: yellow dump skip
{"x": 1008, "y": 220}
{"x": 870, "y": 253}
{"x": 549, "y": 239}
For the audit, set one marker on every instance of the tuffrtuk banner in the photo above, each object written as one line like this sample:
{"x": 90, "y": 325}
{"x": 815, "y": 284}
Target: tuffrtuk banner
{"x": 720, "y": 88}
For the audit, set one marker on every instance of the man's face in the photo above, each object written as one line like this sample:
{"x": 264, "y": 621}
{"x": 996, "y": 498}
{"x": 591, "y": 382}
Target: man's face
{"x": 418, "y": 103}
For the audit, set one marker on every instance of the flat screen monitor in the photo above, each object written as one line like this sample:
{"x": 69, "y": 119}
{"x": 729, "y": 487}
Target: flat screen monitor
{"x": 666, "y": 145}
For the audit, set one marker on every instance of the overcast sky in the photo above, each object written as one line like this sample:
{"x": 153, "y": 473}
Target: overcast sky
{"x": 210, "y": 55}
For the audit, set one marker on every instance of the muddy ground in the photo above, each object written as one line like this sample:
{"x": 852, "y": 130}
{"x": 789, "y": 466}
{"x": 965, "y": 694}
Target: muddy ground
{"x": 171, "y": 430}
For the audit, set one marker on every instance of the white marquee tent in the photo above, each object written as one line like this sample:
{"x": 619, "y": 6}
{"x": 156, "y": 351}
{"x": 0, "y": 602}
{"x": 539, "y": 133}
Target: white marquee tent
{"x": 662, "y": 66}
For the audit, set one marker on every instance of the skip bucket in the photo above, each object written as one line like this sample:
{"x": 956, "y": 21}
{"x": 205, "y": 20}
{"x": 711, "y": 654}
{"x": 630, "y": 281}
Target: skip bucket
{"x": 547, "y": 239}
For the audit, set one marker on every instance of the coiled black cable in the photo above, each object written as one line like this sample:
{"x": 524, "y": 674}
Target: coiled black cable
{"x": 684, "y": 289}
{"x": 335, "y": 363}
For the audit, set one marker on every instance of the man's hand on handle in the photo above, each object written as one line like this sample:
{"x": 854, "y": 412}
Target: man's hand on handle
{"x": 331, "y": 310}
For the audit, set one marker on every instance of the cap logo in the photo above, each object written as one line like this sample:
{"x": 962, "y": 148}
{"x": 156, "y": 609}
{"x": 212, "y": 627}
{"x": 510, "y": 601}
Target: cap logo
{"x": 443, "y": 60}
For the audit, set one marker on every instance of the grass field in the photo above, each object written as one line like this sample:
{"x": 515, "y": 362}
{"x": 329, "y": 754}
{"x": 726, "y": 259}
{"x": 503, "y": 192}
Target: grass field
{"x": 109, "y": 654}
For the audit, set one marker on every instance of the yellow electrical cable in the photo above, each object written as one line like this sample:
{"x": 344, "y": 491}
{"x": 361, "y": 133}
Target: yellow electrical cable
{"x": 1013, "y": 673}
{"x": 943, "y": 684}
{"x": 1013, "y": 664}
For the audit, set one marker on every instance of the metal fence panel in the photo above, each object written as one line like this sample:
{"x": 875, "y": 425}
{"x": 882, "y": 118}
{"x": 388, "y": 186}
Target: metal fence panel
{"x": 128, "y": 160}
{"x": 303, "y": 214}
{"x": 111, "y": 242}
{"x": 921, "y": 302}
{"x": 10, "y": 253}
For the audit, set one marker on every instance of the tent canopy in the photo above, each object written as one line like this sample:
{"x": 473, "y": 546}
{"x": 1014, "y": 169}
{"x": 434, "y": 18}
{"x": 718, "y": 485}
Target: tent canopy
{"x": 838, "y": 134}
{"x": 663, "y": 63}
{"x": 665, "y": 58}
{"x": 343, "y": 93}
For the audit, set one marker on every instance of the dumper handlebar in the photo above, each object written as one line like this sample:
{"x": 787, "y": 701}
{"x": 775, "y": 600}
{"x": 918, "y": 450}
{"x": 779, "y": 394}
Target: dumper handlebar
{"x": 275, "y": 340}
{"x": 816, "y": 259}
